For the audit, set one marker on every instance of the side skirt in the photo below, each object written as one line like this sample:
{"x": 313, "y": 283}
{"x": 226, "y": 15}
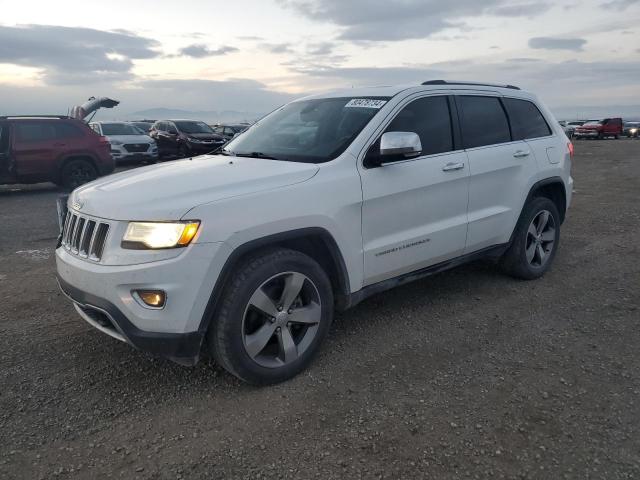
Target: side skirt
{"x": 357, "y": 297}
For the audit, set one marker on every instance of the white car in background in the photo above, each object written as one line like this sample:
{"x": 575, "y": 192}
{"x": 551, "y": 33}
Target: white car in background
{"x": 128, "y": 142}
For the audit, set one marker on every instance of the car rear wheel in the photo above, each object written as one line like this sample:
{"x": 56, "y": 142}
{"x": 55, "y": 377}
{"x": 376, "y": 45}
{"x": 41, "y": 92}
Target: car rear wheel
{"x": 535, "y": 240}
{"x": 274, "y": 314}
{"x": 77, "y": 172}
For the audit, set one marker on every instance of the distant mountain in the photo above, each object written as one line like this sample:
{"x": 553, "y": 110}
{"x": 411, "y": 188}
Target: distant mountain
{"x": 627, "y": 112}
{"x": 225, "y": 116}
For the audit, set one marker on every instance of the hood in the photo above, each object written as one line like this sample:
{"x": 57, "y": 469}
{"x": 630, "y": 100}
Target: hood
{"x": 167, "y": 191}
{"x": 130, "y": 138}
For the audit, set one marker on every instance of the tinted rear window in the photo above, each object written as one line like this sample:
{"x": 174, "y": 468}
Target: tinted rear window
{"x": 35, "y": 131}
{"x": 483, "y": 122}
{"x": 526, "y": 120}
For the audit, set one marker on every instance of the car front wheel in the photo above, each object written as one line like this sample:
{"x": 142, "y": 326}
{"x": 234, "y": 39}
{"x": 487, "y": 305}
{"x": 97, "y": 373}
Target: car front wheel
{"x": 273, "y": 316}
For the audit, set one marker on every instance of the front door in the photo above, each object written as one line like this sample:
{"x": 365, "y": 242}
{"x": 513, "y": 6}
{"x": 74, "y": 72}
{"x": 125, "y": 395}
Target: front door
{"x": 414, "y": 211}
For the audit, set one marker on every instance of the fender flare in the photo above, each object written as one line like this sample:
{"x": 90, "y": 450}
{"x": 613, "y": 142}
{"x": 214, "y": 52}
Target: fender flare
{"x": 343, "y": 287}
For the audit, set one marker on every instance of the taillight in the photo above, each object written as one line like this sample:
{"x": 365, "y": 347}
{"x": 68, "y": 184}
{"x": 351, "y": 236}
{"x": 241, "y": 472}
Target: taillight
{"x": 103, "y": 140}
{"x": 570, "y": 147}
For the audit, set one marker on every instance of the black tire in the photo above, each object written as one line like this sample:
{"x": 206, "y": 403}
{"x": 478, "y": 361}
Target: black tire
{"x": 515, "y": 260}
{"x": 229, "y": 331}
{"x": 77, "y": 172}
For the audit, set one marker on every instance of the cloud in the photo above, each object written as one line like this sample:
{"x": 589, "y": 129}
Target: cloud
{"x": 322, "y": 48}
{"x": 554, "y": 43}
{"x": 74, "y": 55}
{"x": 520, "y": 9}
{"x": 277, "y": 48}
{"x": 389, "y": 20}
{"x": 198, "y": 50}
{"x": 619, "y": 4}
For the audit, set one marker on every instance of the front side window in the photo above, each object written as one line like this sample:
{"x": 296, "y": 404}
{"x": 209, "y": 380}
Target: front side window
{"x": 483, "y": 121}
{"x": 313, "y": 131}
{"x": 429, "y": 117}
{"x": 35, "y": 131}
{"x": 526, "y": 120}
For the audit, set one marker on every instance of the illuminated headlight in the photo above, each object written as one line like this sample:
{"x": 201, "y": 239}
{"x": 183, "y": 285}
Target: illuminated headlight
{"x": 633, "y": 130}
{"x": 152, "y": 235}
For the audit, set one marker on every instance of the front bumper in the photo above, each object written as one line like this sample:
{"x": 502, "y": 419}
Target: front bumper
{"x": 592, "y": 134}
{"x": 103, "y": 296}
{"x": 182, "y": 348}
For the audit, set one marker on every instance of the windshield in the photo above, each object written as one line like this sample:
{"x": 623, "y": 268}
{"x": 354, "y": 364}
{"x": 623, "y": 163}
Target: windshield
{"x": 120, "y": 129}
{"x": 594, "y": 122}
{"x": 193, "y": 127}
{"x": 312, "y": 131}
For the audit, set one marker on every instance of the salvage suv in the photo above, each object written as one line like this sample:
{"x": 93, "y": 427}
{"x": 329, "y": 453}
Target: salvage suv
{"x": 49, "y": 148}
{"x": 322, "y": 203}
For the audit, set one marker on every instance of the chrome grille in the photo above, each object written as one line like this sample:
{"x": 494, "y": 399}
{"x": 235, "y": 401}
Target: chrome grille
{"x": 84, "y": 237}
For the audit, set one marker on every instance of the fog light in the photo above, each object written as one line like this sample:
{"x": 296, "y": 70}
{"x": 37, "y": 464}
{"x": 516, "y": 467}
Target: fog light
{"x": 152, "y": 298}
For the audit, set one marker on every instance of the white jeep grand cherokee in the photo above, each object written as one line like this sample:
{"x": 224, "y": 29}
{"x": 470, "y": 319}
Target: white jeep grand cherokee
{"x": 322, "y": 203}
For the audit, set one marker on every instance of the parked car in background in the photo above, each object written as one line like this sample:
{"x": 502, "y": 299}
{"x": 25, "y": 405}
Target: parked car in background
{"x": 608, "y": 127}
{"x": 229, "y": 131}
{"x": 350, "y": 193}
{"x": 144, "y": 125}
{"x": 570, "y": 127}
{"x": 128, "y": 142}
{"x": 184, "y": 138}
{"x": 631, "y": 129}
{"x": 58, "y": 149}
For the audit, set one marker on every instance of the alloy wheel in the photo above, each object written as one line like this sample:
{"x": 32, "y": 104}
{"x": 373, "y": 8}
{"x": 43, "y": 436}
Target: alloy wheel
{"x": 281, "y": 319}
{"x": 541, "y": 238}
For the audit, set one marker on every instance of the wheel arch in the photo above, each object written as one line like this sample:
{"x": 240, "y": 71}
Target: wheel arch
{"x": 554, "y": 189}
{"x": 316, "y": 242}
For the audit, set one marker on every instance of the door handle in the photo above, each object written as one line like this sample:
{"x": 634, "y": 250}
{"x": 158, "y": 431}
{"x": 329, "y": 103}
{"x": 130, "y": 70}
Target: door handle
{"x": 453, "y": 166}
{"x": 521, "y": 153}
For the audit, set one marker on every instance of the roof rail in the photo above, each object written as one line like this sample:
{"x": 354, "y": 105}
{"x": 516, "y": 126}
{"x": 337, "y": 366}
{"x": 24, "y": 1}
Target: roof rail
{"x": 33, "y": 116}
{"x": 477, "y": 84}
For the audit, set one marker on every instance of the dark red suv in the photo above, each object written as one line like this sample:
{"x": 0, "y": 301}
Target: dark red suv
{"x": 62, "y": 150}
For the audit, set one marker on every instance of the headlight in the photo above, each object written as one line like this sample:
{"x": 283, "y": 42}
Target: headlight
{"x": 116, "y": 142}
{"x": 633, "y": 130}
{"x": 150, "y": 235}
{"x": 195, "y": 140}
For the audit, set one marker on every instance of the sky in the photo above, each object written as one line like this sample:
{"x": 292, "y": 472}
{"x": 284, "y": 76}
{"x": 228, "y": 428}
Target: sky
{"x": 254, "y": 55}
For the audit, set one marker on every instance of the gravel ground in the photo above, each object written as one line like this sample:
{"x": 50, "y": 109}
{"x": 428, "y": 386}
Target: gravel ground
{"x": 467, "y": 374}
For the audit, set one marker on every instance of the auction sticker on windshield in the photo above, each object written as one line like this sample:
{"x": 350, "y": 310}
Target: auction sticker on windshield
{"x": 365, "y": 103}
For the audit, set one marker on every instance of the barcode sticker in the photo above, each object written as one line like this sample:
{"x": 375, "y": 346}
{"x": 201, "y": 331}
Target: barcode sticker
{"x": 365, "y": 103}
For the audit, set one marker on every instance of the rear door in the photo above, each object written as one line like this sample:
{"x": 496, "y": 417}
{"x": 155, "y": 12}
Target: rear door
{"x": 499, "y": 169}
{"x": 528, "y": 124}
{"x": 34, "y": 147}
{"x": 414, "y": 211}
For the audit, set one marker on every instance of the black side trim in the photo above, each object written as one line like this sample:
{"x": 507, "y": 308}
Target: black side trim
{"x": 536, "y": 186}
{"x": 182, "y": 348}
{"x": 330, "y": 243}
{"x": 366, "y": 292}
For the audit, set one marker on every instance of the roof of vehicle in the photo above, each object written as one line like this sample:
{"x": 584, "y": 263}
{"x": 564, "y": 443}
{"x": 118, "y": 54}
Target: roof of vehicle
{"x": 392, "y": 90}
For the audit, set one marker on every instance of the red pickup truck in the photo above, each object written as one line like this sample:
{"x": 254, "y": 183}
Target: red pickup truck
{"x": 609, "y": 127}
{"x": 58, "y": 149}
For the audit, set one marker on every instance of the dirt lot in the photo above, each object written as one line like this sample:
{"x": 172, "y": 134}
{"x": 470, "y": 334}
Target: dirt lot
{"x": 467, "y": 374}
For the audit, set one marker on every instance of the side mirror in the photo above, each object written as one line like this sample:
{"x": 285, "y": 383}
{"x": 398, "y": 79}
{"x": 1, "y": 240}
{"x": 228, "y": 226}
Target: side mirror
{"x": 399, "y": 144}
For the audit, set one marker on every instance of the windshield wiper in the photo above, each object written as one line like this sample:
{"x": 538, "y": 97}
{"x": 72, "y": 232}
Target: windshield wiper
{"x": 258, "y": 155}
